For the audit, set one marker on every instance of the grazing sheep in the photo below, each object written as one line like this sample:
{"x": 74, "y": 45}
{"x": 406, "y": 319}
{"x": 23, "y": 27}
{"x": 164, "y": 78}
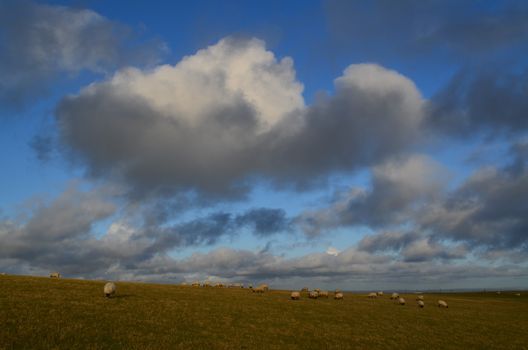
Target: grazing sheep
{"x": 313, "y": 295}
{"x": 517, "y": 294}
{"x": 338, "y": 296}
{"x": 372, "y": 295}
{"x": 419, "y": 297}
{"x": 295, "y": 295}
{"x": 421, "y": 304}
{"x": 109, "y": 289}
{"x": 265, "y": 287}
{"x": 442, "y": 303}
{"x": 195, "y": 284}
{"x": 317, "y": 290}
{"x": 323, "y": 294}
{"x": 55, "y": 275}
{"x": 401, "y": 301}
{"x": 380, "y": 294}
{"x": 394, "y": 296}
{"x": 259, "y": 289}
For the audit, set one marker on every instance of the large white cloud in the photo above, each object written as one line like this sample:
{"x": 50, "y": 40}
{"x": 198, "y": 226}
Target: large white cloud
{"x": 220, "y": 75}
{"x": 231, "y": 112}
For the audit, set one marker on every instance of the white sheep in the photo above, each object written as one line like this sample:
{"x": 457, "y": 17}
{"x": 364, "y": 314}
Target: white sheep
{"x": 442, "y": 303}
{"x": 323, "y": 294}
{"x": 517, "y": 294}
{"x": 313, "y": 294}
{"x": 55, "y": 275}
{"x": 109, "y": 289}
{"x": 295, "y": 295}
{"x": 421, "y": 303}
{"x": 338, "y": 296}
{"x": 380, "y": 293}
{"x": 419, "y": 297}
{"x": 395, "y": 296}
{"x": 372, "y": 295}
{"x": 401, "y": 301}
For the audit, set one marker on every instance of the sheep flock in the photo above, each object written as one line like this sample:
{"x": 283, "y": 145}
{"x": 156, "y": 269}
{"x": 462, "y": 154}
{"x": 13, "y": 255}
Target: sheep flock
{"x": 109, "y": 290}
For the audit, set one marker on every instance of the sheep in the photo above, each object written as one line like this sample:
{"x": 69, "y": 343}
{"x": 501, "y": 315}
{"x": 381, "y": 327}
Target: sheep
{"x": 265, "y": 287}
{"x": 419, "y": 297}
{"x": 195, "y": 284}
{"x": 313, "y": 294}
{"x": 323, "y": 294}
{"x": 55, "y": 275}
{"x": 295, "y": 295}
{"x": 317, "y": 290}
{"x": 394, "y": 296}
{"x": 259, "y": 289}
{"x": 421, "y": 304}
{"x": 338, "y": 296}
{"x": 372, "y": 295}
{"x": 442, "y": 303}
{"x": 380, "y": 294}
{"x": 517, "y": 294}
{"x": 401, "y": 301}
{"x": 109, "y": 289}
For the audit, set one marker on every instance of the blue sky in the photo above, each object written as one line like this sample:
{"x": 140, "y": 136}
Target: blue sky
{"x": 351, "y": 144}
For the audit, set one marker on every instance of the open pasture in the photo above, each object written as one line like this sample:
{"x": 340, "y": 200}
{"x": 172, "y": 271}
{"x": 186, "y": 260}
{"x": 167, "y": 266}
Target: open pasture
{"x": 71, "y": 314}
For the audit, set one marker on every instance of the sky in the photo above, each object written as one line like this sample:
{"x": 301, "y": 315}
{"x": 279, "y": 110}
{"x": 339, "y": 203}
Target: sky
{"x": 359, "y": 145}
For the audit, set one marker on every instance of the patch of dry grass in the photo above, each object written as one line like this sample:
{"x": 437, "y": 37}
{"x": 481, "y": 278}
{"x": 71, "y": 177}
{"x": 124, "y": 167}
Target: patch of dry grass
{"x": 38, "y": 313}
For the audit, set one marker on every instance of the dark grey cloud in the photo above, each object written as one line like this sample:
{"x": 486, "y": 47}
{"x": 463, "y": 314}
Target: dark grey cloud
{"x": 451, "y": 29}
{"x": 65, "y": 233}
{"x": 38, "y": 42}
{"x": 411, "y": 246}
{"x": 399, "y": 188}
{"x": 488, "y": 210}
{"x": 489, "y": 101}
{"x": 55, "y": 233}
{"x": 265, "y": 221}
{"x": 519, "y": 154}
{"x": 42, "y": 146}
{"x": 387, "y": 241}
{"x": 479, "y": 47}
{"x": 139, "y": 128}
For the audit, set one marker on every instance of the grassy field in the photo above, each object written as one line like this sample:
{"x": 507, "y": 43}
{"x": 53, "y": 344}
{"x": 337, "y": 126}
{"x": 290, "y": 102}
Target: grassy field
{"x": 38, "y": 313}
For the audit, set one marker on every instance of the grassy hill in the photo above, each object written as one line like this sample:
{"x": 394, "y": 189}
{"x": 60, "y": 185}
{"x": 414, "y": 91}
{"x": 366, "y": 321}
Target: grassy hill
{"x": 73, "y": 314}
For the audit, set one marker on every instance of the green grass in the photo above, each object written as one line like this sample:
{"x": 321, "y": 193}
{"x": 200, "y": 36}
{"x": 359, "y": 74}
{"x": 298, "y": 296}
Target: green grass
{"x": 38, "y": 313}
